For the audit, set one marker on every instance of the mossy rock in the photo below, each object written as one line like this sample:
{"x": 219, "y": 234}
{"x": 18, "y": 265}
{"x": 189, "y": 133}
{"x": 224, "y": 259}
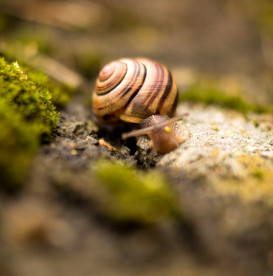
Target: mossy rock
{"x": 131, "y": 195}
{"x": 26, "y": 114}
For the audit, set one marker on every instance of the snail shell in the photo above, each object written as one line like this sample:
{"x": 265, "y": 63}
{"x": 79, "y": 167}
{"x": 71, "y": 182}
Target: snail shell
{"x": 131, "y": 90}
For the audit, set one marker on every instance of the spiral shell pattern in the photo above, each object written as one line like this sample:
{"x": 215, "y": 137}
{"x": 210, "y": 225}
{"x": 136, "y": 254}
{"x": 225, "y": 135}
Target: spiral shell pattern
{"x": 131, "y": 90}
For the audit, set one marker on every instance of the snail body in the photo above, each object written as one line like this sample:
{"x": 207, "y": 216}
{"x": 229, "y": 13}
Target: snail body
{"x": 139, "y": 91}
{"x": 164, "y": 133}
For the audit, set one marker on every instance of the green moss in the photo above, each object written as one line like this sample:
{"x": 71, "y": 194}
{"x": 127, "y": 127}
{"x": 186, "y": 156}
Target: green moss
{"x": 26, "y": 114}
{"x": 18, "y": 142}
{"x": 207, "y": 94}
{"x": 135, "y": 196}
{"x": 28, "y": 95}
{"x": 60, "y": 94}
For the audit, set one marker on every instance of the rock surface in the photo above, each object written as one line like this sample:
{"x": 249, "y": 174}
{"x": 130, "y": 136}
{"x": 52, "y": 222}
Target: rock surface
{"x": 218, "y": 139}
{"x": 222, "y": 177}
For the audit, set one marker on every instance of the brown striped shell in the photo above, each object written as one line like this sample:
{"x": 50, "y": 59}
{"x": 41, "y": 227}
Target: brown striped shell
{"x": 131, "y": 90}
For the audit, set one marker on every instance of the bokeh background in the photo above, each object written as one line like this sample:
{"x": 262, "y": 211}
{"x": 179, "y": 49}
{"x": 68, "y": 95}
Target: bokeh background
{"x": 227, "y": 39}
{"x": 55, "y": 226}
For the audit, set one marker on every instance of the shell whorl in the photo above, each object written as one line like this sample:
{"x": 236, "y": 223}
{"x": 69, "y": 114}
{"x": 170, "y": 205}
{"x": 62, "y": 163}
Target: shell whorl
{"x": 133, "y": 89}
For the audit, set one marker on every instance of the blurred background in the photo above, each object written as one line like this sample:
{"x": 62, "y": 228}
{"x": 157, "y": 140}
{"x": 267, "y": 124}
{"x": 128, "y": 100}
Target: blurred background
{"x": 222, "y": 45}
{"x": 227, "y": 40}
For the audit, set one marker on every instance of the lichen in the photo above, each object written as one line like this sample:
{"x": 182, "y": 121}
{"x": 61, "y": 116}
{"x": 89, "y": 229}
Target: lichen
{"x": 131, "y": 195}
{"x": 211, "y": 94}
{"x": 26, "y": 114}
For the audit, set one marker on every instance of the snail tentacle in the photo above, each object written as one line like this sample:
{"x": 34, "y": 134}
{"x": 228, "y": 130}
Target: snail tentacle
{"x": 148, "y": 129}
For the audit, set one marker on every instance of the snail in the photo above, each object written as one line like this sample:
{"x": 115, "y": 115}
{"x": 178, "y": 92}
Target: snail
{"x": 139, "y": 91}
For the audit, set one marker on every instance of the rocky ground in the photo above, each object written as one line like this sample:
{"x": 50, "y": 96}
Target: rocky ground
{"x": 222, "y": 176}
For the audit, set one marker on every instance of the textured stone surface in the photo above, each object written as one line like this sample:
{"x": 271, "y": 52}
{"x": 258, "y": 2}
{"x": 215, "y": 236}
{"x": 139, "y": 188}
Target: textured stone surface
{"x": 218, "y": 138}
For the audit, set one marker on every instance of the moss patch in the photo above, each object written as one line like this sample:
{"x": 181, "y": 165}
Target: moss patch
{"x": 61, "y": 94}
{"x": 135, "y": 196}
{"x": 28, "y": 95}
{"x": 18, "y": 142}
{"x": 26, "y": 114}
{"x": 210, "y": 94}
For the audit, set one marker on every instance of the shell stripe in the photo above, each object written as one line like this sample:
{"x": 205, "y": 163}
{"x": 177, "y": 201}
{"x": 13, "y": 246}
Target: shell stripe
{"x": 136, "y": 92}
{"x": 103, "y": 88}
{"x": 167, "y": 91}
{"x": 155, "y": 89}
{"x": 169, "y": 104}
{"x": 161, "y": 82}
{"x": 132, "y": 87}
{"x": 142, "y": 106}
{"x": 164, "y": 82}
{"x": 106, "y": 89}
{"x": 172, "y": 110}
{"x": 125, "y": 90}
